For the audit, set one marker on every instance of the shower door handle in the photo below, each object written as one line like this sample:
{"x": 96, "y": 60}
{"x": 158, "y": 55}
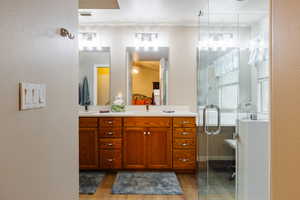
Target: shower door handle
{"x": 205, "y": 128}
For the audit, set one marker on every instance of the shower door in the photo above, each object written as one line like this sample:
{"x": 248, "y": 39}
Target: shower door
{"x": 218, "y": 97}
{"x": 233, "y": 81}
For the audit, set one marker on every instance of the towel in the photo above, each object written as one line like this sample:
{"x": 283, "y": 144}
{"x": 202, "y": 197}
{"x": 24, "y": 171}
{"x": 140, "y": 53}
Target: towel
{"x": 85, "y": 93}
{"x": 80, "y": 93}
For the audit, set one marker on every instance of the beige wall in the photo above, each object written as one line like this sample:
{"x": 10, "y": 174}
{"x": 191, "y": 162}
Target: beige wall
{"x": 182, "y": 42}
{"x": 285, "y": 100}
{"x": 38, "y": 148}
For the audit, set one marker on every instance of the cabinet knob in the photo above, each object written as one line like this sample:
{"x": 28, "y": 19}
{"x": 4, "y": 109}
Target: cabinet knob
{"x": 145, "y": 133}
{"x": 149, "y": 133}
{"x": 184, "y": 160}
{"x": 185, "y": 133}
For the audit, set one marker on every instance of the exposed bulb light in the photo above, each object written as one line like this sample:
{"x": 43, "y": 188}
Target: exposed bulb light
{"x": 146, "y": 41}
{"x": 90, "y": 41}
{"x": 135, "y": 71}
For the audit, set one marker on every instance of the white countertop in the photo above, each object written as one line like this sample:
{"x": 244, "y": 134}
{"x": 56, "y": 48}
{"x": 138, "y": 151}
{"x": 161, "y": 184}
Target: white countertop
{"x": 137, "y": 114}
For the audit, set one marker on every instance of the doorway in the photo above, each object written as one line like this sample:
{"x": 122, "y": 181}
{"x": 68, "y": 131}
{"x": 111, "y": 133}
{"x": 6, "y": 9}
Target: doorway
{"x": 102, "y": 89}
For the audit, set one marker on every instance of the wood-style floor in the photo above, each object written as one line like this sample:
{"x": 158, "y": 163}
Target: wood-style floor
{"x": 188, "y": 183}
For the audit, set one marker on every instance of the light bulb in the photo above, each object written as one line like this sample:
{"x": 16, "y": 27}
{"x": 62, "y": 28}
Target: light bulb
{"x": 135, "y": 71}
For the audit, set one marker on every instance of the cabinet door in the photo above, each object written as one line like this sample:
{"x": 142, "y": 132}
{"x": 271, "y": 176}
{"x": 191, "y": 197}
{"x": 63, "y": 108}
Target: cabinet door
{"x": 134, "y": 148}
{"x": 88, "y": 156}
{"x": 159, "y": 148}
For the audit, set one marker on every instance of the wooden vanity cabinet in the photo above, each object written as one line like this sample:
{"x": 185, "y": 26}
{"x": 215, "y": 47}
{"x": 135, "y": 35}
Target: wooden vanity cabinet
{"x": 110, "y": 143}
{"x": 134, "y": 151}
{"x": 159, "y": 148}
{"x": 184, "y": 143}
{"x": 113, "y": 143}
{"x": 149, "y": 145}
{"x": 88, "y": 136}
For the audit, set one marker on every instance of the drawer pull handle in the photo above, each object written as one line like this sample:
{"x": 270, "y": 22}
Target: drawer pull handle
{"x": 186, "y": 122}
{"x": 185, "y": 144}
{"x": 109, "y": 122}
{"x": 184, "y": 160}
{"x": 185, "y": 133}
{"x": 110, "y": 133}
{"x": 110, "y": 160}
{"x": 109, "y": 144}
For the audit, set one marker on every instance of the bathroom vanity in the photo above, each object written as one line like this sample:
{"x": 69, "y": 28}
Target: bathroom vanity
{"x": 137, "y": 141}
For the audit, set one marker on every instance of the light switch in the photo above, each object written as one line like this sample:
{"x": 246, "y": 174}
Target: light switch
{"x": 32, "y": 96}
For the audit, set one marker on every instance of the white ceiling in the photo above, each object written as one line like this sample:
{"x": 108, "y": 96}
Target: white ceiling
{"x": 176, "y": 12}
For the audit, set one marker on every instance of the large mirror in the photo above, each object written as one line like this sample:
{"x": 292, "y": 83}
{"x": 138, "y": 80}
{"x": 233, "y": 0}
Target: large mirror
{"x": 94, "y": 77}
{"x": 147, "y": 76}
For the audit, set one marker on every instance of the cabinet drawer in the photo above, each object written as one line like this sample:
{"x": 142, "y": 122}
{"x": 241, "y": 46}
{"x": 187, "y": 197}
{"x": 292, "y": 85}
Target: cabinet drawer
{"x": 184, "y": 143}
{"x": 147, "y": 122}
{"x": 184, "y": 122}
{"x": 184, "y": 132}
{"x": 85, "y": 122}
{"x": 110, "y": 159}
{"x": 110, "y": 143}
{"x": 184, "y": 159}
{"x": 110, "y": 122}
{"x": 110, "y": 132}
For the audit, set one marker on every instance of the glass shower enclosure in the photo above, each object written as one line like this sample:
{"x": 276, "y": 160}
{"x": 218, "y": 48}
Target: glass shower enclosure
{"x": 232, "y": 79}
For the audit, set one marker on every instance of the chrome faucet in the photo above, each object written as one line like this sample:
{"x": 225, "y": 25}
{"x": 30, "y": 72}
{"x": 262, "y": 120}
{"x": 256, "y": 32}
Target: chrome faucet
{"x": 147, "y": 107}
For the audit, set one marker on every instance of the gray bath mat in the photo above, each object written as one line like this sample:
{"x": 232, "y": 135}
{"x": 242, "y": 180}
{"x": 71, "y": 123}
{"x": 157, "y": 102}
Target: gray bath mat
{"x": 153, "y": 183}
{"x": 89, "y": 182}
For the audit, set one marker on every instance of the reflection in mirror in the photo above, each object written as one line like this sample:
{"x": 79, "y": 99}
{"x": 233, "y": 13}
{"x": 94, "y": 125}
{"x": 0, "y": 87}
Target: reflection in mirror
{"x": 147, "y": 76}
{"x": 94, "y": 77}
{"x": 218, "y": 72}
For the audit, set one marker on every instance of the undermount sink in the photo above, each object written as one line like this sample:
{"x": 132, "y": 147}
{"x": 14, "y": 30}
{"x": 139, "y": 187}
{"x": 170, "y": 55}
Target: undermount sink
{"x": 89, "y": 112}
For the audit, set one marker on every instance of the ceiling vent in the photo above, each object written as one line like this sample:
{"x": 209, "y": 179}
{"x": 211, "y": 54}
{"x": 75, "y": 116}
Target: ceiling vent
{"x": 85, "y": 14}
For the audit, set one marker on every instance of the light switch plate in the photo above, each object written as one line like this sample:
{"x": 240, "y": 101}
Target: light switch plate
{"x": 32, "y": 96}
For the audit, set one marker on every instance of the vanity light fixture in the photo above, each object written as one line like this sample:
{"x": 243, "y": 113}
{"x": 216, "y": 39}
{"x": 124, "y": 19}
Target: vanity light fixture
{"x": 89, "y": 41}
{"x": 224, "y": 41}
{"x": 146, "y": 41}
{"x": 215, "y": 41}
